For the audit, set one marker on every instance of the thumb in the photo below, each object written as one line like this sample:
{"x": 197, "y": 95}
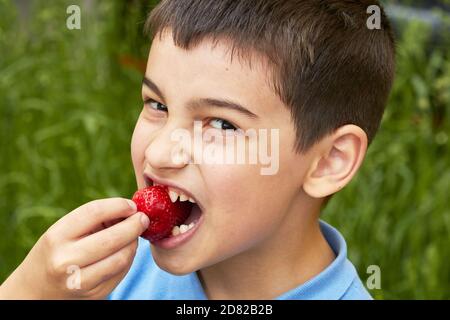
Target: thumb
{"x": 145, "y": 221}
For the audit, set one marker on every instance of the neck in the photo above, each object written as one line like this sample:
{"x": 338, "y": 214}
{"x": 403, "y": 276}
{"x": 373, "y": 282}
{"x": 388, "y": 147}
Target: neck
{"x": 287, "y": 259}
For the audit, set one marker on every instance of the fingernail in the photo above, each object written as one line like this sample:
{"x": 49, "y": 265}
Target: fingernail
{"x": 132, "y": 204}
{"x": 145, "y": 220}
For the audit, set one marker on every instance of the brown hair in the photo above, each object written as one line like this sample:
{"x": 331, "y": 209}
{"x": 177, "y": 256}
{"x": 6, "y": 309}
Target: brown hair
{"x": 327, "y": 66}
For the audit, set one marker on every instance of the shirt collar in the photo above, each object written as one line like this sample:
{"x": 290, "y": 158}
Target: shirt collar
{"x": 330, "y": 284}
{"x": 335, "y": 280}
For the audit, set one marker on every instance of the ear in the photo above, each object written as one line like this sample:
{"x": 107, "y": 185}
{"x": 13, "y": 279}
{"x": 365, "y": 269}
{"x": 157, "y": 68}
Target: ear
{"x": 336, "y": 160}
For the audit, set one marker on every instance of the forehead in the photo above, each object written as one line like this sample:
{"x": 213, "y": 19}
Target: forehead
{"x": 208, "y": 70}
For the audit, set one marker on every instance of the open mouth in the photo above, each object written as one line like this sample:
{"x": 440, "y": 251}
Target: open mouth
{"x": 189, "y": 203}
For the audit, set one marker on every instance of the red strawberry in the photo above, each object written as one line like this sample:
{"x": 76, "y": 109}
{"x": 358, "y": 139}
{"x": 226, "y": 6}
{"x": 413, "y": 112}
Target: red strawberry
{"x": 155, "y": 202}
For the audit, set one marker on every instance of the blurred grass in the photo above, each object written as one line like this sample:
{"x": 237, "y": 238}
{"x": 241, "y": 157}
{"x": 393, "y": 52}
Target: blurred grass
{"x": 68, "y": 108}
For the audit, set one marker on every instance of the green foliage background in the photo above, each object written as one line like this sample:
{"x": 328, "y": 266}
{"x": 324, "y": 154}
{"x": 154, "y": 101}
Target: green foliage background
{"x": 68, "y": 108}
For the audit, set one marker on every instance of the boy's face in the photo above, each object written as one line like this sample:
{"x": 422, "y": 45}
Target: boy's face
{"x": 245, "y": 212}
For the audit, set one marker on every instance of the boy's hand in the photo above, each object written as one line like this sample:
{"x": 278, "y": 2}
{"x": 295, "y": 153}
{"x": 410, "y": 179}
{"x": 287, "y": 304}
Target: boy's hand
{"x": 80, "y": 256}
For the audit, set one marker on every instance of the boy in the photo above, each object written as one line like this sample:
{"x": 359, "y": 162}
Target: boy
{"x": 310, "y": 70}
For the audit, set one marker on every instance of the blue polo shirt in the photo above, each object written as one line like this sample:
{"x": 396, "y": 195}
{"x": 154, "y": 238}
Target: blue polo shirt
{"x": 146, "y": 280}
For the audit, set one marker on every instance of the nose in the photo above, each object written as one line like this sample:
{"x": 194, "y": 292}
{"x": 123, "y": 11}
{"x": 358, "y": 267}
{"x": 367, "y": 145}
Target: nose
{"x": 167, "y": 150}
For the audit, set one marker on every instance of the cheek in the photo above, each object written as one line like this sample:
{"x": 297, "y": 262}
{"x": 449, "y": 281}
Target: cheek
{"x": 243, "y": 191}
{"x": 247, "y": 207}
{"x": 244, "y": 206}
{"x": 139, "y": 142}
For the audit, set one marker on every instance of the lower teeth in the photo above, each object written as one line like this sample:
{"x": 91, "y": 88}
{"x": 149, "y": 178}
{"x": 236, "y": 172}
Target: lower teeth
{"x": 182, "y": 229}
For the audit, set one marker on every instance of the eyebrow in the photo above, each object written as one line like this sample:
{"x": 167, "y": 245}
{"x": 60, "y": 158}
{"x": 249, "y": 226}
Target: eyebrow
{"x": 203, "y": 102}
{"x": 152, "y": 86}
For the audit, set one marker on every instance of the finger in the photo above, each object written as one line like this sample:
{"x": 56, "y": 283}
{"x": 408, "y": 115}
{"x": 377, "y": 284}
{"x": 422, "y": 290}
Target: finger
{"x": 104, "y": 289}
{"x": 105, "y": 225}
{"x": 92, "y": 216}
{"x": 102, "y": 271}
{"x": 102, "y": 244}
{"x": 113, "y": 222}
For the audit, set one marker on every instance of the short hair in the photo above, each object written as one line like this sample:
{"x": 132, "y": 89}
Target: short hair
{"x": 326, "y": 65}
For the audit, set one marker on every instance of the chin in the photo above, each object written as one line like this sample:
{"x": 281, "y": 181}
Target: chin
{"x": 178, "y": 266}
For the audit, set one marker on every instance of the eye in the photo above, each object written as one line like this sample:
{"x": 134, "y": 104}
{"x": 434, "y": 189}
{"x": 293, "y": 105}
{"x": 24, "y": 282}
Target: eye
{"x": 222, "y": 124}
{"x": 155, "y": 105}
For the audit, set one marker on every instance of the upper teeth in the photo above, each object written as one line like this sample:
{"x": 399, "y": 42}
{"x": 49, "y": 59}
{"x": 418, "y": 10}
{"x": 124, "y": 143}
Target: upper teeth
{"x": 174, "y": 196}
